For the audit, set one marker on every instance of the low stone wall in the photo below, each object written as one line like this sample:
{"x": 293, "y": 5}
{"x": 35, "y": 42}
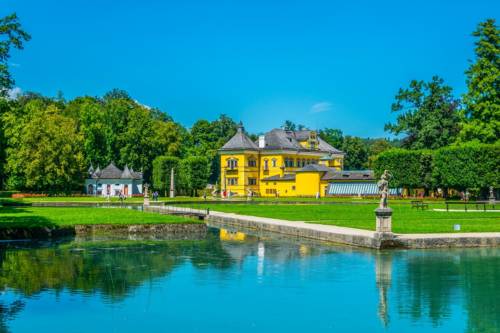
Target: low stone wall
{"x": 164, "y": 231}
{"x": 165, "y": 228}
{"x": 347, "y": 236}
{"x": 432, "y": 241}
{"x": 35, "y": 232}
{"x": 354, "y": 237}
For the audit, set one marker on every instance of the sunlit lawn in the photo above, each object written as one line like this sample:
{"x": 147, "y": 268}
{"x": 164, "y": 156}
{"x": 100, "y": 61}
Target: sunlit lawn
{"x": 68, "y": 216}
{"x": 405, "y": 218}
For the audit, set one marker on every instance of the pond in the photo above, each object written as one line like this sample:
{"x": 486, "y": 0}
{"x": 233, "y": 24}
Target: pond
{"x": 236, "y": 282}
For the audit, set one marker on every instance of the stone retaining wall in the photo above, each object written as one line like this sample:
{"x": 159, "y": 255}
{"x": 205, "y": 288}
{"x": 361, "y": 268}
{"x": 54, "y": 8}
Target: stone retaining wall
{"x": 368, "y": 240}
{"x": 173, "y": 230}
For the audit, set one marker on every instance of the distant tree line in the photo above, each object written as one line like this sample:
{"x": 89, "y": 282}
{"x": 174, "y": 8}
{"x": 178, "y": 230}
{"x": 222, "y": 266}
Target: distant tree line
{"x": 47, "y": 144}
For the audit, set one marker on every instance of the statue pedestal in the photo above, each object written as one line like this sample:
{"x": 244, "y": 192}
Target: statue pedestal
{"x": 384, "y": 220}
{"x": 146, "y": 201}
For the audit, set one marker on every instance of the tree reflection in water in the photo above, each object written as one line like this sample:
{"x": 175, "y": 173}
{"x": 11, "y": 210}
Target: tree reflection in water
{"x": 431, "y": 281}
{"x": 420, "y": 285}
{"x": 110, "y": 268}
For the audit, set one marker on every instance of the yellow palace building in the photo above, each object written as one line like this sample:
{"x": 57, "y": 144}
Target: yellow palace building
{"x": 285, "y": 164}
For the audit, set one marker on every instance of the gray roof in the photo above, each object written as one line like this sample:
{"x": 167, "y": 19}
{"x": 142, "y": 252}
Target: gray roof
{"x": 113, "y": 172}
{"x": 240, "y": 141}
{"x": 277, "y": 139}
{"x": 315, "y": 167}
{"x": 288, "y": 176}
{"x": 349, "y": 175}
{"x": 281, "y": 139}
{"x": 325, "y": 146}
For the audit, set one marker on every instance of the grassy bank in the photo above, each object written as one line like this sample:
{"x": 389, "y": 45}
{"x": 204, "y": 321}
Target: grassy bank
{"x": 29, "y": 217}
{"x": 405, "y": 218}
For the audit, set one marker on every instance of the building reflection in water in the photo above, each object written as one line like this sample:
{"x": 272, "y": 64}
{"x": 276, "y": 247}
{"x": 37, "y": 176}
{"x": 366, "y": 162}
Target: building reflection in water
{"x": 261, "y": 250}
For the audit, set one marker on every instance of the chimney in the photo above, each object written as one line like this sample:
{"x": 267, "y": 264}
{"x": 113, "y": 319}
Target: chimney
{"x": 262, "y": 141}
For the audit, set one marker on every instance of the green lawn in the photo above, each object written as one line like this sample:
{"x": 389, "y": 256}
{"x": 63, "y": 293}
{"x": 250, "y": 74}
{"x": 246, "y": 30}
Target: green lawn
{"x": 67, "y": 216}
{"x": 98, "y": 199}
{"x": 405, "y": 218}
{"x": 209, "y": 198}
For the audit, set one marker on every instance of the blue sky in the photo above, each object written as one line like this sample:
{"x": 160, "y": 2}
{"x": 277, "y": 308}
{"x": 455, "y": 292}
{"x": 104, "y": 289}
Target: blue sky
{"x": 320, "y": 63}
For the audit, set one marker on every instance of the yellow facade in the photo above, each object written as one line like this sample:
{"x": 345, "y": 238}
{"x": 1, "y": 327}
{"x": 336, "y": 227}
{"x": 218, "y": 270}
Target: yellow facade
{"x": 271, "y": 172}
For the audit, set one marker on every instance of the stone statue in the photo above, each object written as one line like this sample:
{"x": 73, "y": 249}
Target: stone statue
{"x": 214, "y": 191}
{"x": 249, "y": 194}
{"x": 383, "y": 188}
{"x": 492, "y": 195}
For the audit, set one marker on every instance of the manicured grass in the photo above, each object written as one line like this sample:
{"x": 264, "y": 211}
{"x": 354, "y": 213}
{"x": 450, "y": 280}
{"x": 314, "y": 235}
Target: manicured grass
{"x": 99, "y": 199}
{"x": 405, "y": 218}
{"x": 28, "y": 217}
{"x": 209, "y": 198}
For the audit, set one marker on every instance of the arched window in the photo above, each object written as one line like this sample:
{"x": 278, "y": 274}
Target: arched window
{"x": 266, "y": 164}
{"x": 274, "y": 161}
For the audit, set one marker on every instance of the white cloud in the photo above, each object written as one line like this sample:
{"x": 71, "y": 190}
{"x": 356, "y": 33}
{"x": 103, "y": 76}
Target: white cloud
{"x": 321, "y": 107}
{"x": 14, "y": 93}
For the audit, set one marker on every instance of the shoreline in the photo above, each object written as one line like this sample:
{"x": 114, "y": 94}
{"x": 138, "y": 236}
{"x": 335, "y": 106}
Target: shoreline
{"x": 329, "y": 233}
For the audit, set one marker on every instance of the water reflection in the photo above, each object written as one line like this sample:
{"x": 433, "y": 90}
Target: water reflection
{"x": 445, "y": 288}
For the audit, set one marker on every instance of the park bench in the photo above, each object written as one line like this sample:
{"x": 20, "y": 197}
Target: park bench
{"x": 419, "y": 204}
{"x": 478, "y": 205}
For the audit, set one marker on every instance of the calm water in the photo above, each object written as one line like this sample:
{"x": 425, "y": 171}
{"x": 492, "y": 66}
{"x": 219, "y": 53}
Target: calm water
{"x": 232, "y": 282}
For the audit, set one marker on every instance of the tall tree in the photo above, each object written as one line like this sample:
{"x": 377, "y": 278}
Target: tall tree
{"x": 482, "y": 100}
{"x": 356, "y": 153}
{"x": 207, "y": 137}
{"x": 12, "y": 35}
{"x": 45, "y": 149}
{"x": 333, "y": 136}
{"x": 289, "y": 125}
{"x": 428, "y": 115}
{"x": 194, "y": 173}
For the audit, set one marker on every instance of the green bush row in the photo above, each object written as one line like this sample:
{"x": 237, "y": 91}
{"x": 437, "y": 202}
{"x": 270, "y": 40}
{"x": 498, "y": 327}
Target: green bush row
{"x": 471, "y": 166}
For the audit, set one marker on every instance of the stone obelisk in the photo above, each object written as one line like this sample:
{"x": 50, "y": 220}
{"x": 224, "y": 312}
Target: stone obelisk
{"x": 172, "y": 183}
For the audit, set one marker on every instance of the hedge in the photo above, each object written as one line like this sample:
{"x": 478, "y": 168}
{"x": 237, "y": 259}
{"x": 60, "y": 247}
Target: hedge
{"x": 471, "y": 166}
{"x": 409, "y": 168}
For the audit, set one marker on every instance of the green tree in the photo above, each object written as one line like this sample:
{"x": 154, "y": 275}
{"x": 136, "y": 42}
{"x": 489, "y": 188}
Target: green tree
{"x": 428, "y": 115}
{"x": 356, "y": 153}
{"x": 375, "y": 147}
{"x": 194, "y": 174}
{"x": 289, "y": 125}
{"x": 44, "y": 148}
{"x": 207, "y": 137}
{"x": 482, "y": 100}
{"x": 12, "y": 35}
{"x": 333, "y": 136}
{"x": 91, "y": 119}
{"x": 162, "y": 166}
